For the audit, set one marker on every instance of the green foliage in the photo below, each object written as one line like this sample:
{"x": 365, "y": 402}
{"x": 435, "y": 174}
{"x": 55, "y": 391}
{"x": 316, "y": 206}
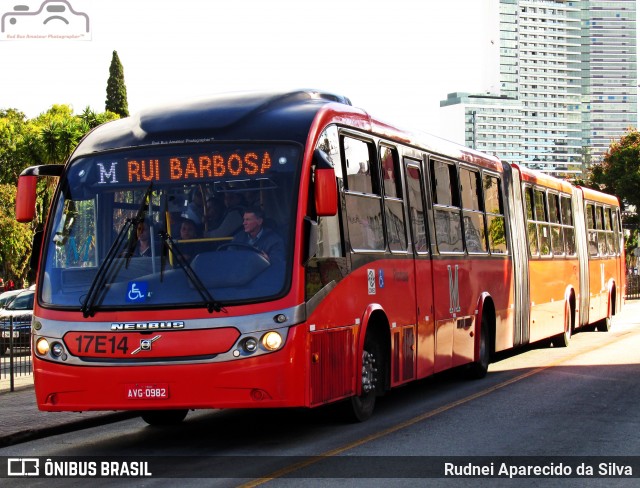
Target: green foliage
{"x": 12, "y": 128}
{"x": 49, "y": 138}
{"x": 619, "y": 172}
{"x": 15, "y": 238}
{"x": 116, "y": 89}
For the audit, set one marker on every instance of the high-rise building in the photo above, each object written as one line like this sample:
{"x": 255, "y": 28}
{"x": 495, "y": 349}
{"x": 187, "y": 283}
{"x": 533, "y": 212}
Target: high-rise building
{"x": 490, "y": 123}
{"x": 609, "y": 73}
{"x": 568, "y": 84}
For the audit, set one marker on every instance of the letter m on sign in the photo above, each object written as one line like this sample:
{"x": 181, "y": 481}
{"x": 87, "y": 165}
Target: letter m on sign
{"x": 109, "y": 174}
{"x": 454, "y": 291}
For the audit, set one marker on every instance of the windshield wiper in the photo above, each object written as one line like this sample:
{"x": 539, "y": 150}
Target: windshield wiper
{"x": 96, "y": 290}
{"x": 211, "y": 303}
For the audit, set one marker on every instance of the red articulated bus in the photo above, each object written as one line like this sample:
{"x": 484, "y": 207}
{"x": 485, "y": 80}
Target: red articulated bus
{"x": 289, "y": 250}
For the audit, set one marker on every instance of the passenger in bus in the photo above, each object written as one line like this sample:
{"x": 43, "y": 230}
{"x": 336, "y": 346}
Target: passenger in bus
{"x": 188, "y": 229}
{"x": 143, "y": 244}
{"x": 215, "y": 213}
{"x": 232, "y": 219}
{"x": 195, "y": 209}
{"x": 264, "y": 239}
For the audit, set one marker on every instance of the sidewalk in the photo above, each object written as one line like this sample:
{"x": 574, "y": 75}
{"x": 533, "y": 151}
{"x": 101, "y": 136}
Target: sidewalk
{"x": 20, "y": 419}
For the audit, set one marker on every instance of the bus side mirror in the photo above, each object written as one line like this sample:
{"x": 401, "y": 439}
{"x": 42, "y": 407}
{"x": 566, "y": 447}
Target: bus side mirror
{"x": 325, "y": 189}
{"x": 26, "y": 198}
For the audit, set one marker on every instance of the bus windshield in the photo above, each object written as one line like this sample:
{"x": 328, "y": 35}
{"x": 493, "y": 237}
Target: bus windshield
{"x": 173, "y": 225}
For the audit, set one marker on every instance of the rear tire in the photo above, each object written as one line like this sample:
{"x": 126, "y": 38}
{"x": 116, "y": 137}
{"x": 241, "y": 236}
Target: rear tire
{"x": 478, "y": 369}
{"x": 604, "y": 325}
{"x": 164, "y": 417}
{"x": 564, "y": 339}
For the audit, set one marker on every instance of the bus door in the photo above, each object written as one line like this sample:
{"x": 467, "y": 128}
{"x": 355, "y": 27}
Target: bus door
{"x": 422, "y": 266}
{"x": 519, "y": 250}
{"x": 583, "y": 256}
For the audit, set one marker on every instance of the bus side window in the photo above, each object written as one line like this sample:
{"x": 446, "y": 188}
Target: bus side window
{"x": 608, "y": 220}
{"x": 494, "y": 210}
{"x": 557, "y": 239}
{"x": 592, "y": 233}
{"x": 542, "y": 217}
{"x": 415, "y": 196}
{"x": 602, "y": 238}
{"x": 362, "y": 198}
{"x": 446, "y": 200}
{"x": 532, "y": 229}
{"x": 393, "y": 203}
{"x": 567, "y": 225}
{"x": 330, "y": 244}
{"x": 474, "y": 231}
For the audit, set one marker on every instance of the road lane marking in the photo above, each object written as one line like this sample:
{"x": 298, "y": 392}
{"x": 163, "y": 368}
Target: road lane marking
{"x": 432, "y": 413}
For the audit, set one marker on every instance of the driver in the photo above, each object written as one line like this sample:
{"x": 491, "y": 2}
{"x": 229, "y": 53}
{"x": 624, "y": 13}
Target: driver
{"x": 267, "y": 241}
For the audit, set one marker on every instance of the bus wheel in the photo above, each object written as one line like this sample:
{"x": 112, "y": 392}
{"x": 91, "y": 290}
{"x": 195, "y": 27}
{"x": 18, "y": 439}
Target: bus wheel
{"x": 478, "y": 369}
{"x": 164, "y": 417}
{"x": 360, "y": 408}
{"x": 604, "y": 325}
{"x": 563, "y": 340}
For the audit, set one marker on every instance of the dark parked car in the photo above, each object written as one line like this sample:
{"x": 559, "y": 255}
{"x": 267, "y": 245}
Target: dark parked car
{"x": 7, "y": 296}
{"x": 20, "y": 310}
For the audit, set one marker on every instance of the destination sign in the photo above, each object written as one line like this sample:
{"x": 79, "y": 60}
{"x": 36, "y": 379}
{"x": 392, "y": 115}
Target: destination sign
{"x": 185, "y": 168}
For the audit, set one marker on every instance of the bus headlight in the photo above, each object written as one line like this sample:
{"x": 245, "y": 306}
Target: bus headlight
{"x": 42, "y": 346}
{"x": 272, "y": 341}
{"x": 250, "y": 344}
{"x": 57, "y": 350}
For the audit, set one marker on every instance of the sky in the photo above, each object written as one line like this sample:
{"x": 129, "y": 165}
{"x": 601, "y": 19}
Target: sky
{"x": 394, "y": 58}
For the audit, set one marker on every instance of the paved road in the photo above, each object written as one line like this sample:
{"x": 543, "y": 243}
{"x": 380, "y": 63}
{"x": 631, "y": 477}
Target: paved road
{"x": 544, "y": 406}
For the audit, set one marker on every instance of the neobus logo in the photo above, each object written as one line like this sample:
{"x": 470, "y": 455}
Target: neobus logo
{"x": 147, "y": 325}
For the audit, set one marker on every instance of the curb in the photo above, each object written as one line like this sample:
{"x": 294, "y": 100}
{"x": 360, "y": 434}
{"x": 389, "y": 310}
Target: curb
{"x": 39, "y": 433}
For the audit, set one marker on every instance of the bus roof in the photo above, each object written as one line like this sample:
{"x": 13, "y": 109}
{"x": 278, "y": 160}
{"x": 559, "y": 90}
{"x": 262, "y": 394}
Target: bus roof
{"x": 598, "y": 196}
{"x": 230, "y": 116}
{"x": 543, "y": 179}
{"x": 258, "y": 116}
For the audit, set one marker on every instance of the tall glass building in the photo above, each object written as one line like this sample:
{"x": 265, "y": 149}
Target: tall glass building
{"x": 608, "y": 72}
{"x": 568, "y": 84}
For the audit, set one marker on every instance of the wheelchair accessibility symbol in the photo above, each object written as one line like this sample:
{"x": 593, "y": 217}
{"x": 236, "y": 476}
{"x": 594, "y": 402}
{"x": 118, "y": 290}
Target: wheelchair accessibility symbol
{"x": 136, "y": 291}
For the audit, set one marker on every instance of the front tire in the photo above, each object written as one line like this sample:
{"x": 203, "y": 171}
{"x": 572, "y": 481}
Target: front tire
{"x": 164, "y": 417}
{"x": 360, "y": 408}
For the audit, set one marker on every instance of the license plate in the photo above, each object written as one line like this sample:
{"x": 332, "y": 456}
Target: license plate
{"x": 6, "y": 334}
{"x": 139, "y": 391}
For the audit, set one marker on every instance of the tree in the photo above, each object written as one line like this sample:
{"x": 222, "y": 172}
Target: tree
{"x": 619, "y": 171}
{"x": 15, "y": 238}
{"x": 116, "y": 89}
{"x": 12, "y": 127}
{"x": 49, "y": 138}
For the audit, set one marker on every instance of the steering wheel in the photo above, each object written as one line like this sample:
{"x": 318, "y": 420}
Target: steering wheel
{"x": 241, "y": 245}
